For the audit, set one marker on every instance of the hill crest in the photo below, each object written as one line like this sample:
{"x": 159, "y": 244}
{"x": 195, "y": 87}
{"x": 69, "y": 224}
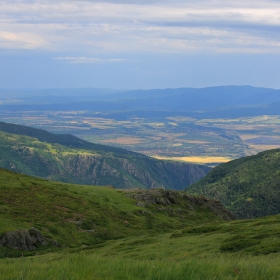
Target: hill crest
{"x": 69, "y": 159}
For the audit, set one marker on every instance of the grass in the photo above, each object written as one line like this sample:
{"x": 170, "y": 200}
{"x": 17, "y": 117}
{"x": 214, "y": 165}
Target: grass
{"x": 246, "y": 237}
{"x": 77, "y": 215}
{"x": 92, "y": 264}
{"x": 129, "y": 241}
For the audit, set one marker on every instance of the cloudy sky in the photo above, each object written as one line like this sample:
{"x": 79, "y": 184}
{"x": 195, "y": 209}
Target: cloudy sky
{"x": 139, "y": 44}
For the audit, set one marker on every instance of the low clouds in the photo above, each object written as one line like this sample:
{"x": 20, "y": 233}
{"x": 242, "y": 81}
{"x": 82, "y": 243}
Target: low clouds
{"x": 92, "y": 27}
{"x": 82, "y": 59}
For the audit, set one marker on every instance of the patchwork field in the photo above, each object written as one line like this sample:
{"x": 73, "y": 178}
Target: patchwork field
{"x": 178, "y": 138}
{"x": 124, "y": 141}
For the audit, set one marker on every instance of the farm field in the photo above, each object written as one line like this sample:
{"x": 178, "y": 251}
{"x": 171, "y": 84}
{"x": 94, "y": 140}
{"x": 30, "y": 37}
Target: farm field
{"x": 166, "y": 137}
{"x": 200, "y": 160}
{"x": 228, "y": 122}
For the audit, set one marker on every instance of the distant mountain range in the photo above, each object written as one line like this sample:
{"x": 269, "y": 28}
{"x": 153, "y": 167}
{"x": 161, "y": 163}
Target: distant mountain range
{"x": 249, "y": 187}
{"x": 223, "y": 101}
{"x": 69, "y": 159}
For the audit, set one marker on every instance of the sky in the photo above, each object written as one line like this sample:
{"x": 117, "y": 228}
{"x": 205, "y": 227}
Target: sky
{"x": 139, "y": 44}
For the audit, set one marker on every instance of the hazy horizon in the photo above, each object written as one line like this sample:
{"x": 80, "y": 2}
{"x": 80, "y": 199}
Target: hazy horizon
{"x": 139, "y": 44}
{"x": 123, "y": 89}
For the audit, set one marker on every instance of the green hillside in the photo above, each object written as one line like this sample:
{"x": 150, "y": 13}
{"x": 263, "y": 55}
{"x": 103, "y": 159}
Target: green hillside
{"x": 198, "y": 254}
{"x": 67, "y": 158}
{"x": 249, "y": 186}
{"x": 76, "y": 215}
{"x": 105, "y": 233}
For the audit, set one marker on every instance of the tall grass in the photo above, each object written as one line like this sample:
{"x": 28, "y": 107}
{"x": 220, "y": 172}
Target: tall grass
{"x": 92, "y": 266}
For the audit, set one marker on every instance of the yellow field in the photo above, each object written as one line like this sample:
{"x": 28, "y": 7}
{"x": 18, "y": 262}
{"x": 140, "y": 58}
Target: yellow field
{"x": 194, "y": 159}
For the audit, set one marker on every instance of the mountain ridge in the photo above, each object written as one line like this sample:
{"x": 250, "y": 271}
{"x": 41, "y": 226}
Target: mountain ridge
{"x": 69, "y": 159}
{"x": 179, "y": 99}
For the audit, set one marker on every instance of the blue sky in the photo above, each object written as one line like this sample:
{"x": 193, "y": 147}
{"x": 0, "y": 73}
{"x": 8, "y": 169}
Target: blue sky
{"x": 139, "y": 44}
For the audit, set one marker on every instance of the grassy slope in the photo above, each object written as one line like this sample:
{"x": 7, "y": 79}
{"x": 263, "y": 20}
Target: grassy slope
{"x": 77, "y": 215}
{"x": 247, "y": 249}
{"x": 130, "y": 242}
{"x": 69, "y": 159}
{"x": 249, "y": 187}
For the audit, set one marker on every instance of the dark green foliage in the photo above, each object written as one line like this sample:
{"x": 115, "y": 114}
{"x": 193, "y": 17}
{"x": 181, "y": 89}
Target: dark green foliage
{"x": 237, "y": 243}
{"x": 254, "y": 236}
{"x": 249, "y": 187}
{"x": 203, "y": 229}
{"x": 69, "y": 159}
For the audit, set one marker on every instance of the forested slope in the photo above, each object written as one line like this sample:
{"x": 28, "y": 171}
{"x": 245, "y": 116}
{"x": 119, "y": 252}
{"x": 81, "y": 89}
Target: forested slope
{"x": 249, "y": 186}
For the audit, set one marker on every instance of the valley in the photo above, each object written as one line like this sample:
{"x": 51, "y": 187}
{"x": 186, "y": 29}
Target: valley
{"x": 162, "y": 137}
{"x": 118, "y": 185}
{"x": 228, "y": 122}
{"x": 139, "y": 140}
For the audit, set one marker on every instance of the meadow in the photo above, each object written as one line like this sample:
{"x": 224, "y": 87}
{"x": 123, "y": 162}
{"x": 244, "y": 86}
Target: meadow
{"x": 193, "y": 253}
{"x": 92, "y": 266}
{"x": 104, "y": 234}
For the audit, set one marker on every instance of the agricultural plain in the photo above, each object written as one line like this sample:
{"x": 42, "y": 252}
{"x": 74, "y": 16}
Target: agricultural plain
{"x": 228, "y": 122}
{"x": 176, "y": 138}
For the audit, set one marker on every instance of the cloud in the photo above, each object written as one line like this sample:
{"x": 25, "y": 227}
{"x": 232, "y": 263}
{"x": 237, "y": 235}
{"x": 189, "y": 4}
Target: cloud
{"x": 21, "y": 40}
{"x": 95, "y": 27}
{"x": 88, "y": 59}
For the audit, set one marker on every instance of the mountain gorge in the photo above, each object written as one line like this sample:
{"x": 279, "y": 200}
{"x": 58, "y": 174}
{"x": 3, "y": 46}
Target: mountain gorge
{"x": 69, "y": 159}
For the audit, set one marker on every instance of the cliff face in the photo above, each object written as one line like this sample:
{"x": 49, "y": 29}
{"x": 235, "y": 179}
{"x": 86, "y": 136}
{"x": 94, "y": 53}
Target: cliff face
{"x": 131, "y": 173}
{"x": 87, "y": 165}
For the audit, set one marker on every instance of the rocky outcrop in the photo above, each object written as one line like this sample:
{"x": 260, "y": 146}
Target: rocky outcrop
{"x": 26, "y": 240}
{"x": 168, "y": 198}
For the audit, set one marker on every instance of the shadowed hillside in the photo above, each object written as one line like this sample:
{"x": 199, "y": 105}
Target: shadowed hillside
{"x": 249, "y": 186}
{"x": 69, "y": 159}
